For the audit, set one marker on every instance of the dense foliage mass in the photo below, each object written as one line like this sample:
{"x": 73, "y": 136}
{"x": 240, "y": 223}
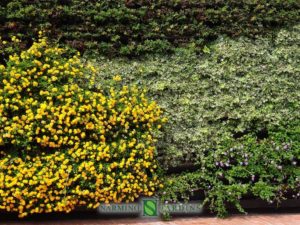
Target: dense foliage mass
{"x": 244, "y": 168}
{"x": 241, "y": 87}
{"x": 72, "y": 136}
{"x": 132, "y": 27}
{"x": 65, "y": 143}
{"x": 228, "y": 111}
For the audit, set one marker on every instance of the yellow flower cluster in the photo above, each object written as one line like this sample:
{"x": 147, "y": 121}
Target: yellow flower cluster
{"x": 8, "y": 46}
{"x": 14, "y": 39}
{"x": 63, "y": 144}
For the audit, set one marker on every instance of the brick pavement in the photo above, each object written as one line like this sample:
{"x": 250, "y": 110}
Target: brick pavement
{"x": 251, "y": 219}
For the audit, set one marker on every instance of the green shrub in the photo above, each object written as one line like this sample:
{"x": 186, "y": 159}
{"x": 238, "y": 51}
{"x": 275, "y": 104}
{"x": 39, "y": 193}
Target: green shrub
{"x": 244, "y": 168}
{"x": 233, "y": 118}
{"x": 135, "y": 27}
{"x": 241, "y": 87}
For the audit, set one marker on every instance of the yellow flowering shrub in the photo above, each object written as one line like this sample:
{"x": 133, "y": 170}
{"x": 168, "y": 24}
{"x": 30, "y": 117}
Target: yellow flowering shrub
{"x": 64, "y": 143}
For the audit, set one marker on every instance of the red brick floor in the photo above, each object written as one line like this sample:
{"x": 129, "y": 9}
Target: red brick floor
{"x": 251, "y": 219}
